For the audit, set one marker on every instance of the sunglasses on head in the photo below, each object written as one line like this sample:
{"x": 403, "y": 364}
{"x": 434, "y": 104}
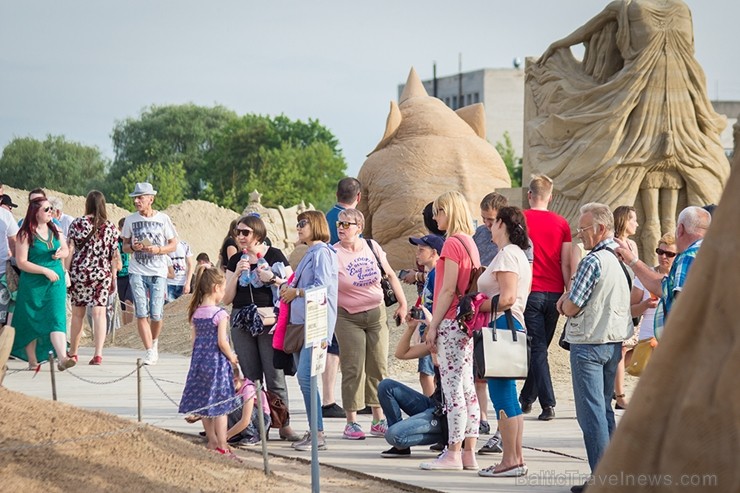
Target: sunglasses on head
{"x": 243, "y": 232}
{"x": 301, "y": 224}
{"x": 345, "y": 224}
{"x": 668, "y": 254}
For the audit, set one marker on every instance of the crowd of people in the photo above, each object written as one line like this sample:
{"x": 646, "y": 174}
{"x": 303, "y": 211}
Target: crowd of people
{"x": 533, "y": 269}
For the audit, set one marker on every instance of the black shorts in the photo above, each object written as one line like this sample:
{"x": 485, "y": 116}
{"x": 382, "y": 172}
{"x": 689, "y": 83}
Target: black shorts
{"x": 125, "y": 293}
{"x": 334, "y": 346}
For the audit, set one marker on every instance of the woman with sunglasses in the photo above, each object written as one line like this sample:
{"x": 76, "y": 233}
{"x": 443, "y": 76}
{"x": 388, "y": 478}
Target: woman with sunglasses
{"x": 625, "y": 225}
{"x": 643, "y": 301}
{"x": 254, "y": 348}
{"x": 40, "y": 313}
{"x": 362, "y": 328}
{"x": 445, "y": 337}
{"x": 318, "y": 267}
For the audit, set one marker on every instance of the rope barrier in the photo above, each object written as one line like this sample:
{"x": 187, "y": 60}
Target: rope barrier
{"x": 98, "y": 382}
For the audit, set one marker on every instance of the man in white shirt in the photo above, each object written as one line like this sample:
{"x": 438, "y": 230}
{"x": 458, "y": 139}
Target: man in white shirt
{"x": 64, "y": 219}
{"x": 149, "y": 236}
{"x": 8, "y": 231}
{"x": 182, "y": 263}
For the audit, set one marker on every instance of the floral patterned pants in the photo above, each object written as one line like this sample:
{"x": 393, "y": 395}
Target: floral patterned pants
{"x": 455, "y": 356}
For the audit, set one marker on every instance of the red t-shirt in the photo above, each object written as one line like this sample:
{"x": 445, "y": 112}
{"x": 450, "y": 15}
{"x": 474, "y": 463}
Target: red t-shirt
{"x": 548, "y": 232}
{"x": 455, "y": 251}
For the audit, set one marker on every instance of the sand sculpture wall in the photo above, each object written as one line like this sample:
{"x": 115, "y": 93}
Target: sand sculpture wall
{"x": 427, "y": 149}
{"x": 630, "y": 124}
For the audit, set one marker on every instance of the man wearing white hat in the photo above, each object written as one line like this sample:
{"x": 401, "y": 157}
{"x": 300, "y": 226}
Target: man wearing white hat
{"x": 149, "y": 236}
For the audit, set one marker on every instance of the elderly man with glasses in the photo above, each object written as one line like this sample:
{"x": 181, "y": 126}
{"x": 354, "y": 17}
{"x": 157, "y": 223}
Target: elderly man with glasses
{"x": 598, "y": 310}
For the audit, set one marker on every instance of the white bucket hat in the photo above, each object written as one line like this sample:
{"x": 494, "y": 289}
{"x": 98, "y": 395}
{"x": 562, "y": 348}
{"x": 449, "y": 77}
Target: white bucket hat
{"x": 143, "y": 188}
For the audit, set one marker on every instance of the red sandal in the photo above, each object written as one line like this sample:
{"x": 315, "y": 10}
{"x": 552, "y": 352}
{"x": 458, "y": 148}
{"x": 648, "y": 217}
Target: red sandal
{"x": 97, "y": 360}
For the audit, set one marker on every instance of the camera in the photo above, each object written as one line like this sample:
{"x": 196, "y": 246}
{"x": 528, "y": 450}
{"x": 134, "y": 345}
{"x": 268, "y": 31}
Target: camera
{"x": 416, "y": 313}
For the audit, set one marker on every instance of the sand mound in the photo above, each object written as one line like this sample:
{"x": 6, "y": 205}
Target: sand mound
{"x": 202, "y": 224}
{"x": 54, "y": 447}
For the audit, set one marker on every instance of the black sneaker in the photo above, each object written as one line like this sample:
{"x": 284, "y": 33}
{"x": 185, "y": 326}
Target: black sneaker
{"x": 484, "y": 428}
{"x": 365, "y": 410}
{"x": 396, "y": 452}
{"x": 526, "y": 407}
{"x": 548, "y": 413}
{"x": 438, "y": 447}
{"x": 333, "y": 410}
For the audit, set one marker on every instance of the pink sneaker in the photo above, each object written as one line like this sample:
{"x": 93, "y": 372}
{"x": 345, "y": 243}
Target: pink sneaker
{"x": 353, "y": 431}
{"x": 468, "y": 460}
{"x": 447, "y": 461}
{"x": 378, "y": 429}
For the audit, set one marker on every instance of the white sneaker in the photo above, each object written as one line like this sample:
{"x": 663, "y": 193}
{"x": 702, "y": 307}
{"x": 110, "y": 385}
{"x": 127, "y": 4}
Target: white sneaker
{"x": 155, "y": 353}
{"x": 150, "y": 358}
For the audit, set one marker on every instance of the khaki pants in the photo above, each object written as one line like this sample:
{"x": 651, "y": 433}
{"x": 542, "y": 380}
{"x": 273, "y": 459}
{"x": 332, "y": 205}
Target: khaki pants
{"x": 363, "y": 342}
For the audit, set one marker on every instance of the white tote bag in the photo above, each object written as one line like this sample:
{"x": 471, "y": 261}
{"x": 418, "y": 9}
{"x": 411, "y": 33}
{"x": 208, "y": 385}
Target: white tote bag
{"x": 500, "y": 351}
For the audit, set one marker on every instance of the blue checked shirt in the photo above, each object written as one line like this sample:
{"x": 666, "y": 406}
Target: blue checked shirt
{"x": 588, "y": 274}
{"x": 673, "y": 283}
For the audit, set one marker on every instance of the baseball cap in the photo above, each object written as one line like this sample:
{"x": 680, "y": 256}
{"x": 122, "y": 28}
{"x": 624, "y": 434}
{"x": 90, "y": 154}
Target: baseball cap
{"x": 432, "y": 241}
{"x": 5, "y": 200}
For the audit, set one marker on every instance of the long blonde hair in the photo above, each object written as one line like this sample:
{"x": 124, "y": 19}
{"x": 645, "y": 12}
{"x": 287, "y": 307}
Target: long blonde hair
{"x": 459, "y": 219}
{"x": 206, "y": 278}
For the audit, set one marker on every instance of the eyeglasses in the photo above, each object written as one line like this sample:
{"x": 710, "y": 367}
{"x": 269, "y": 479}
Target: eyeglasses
{"x": 668, "y": 254}
{"x": 345, "y": 224}
{"x": 48, "y": 209}
{"x": 243, "y": 232}
{"x": 581, "y": 230}
{"x": 301, "y": 224}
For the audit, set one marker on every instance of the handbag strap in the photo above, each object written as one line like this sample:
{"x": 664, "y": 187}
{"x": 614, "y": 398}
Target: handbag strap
{"x": 377, "y": 259}
{"x": 621, "y": 264}
{"x": 507, "y": 315}
{"x": 88, "y": 237}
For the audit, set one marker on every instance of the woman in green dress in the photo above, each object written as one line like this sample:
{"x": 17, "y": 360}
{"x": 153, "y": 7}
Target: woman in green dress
{"x": 41, "y": 316}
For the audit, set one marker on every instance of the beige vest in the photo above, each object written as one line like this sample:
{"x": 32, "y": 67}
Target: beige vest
{"x": 606, "y": 316}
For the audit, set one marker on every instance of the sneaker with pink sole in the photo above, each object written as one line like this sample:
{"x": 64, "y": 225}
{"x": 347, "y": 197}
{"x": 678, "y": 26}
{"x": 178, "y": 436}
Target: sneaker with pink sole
{"x": 353, "y": 431}
{"x": 378, "y": 429}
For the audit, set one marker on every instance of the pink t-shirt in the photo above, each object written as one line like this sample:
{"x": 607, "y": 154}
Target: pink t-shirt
{"x": 208, "y": 311}
{"x": 359, "y": 278}
{"x": 454, "y": 250}
{"x": 247, "y": 392}
{"x": 511, "y": 258}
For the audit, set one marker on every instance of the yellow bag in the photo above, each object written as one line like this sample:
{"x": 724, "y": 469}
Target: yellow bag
{"x": 641, "y": 355}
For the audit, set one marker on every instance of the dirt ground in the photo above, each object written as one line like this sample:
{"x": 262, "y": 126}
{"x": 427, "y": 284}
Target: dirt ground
{"x": 49, "y": 446}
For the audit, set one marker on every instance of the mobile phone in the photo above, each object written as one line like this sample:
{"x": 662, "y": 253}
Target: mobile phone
{"x": 397, "y": 318}
{"x": 146, "y": 242}
{"x": 403, "y": 273}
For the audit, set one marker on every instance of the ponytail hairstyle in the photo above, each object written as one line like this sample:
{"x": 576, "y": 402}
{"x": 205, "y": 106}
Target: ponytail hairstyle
{"x": 516, "y": 225}
{"x": 206, "y": 278}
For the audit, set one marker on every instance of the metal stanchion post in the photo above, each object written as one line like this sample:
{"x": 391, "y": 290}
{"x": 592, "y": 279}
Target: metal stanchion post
{"x": 53, "y": 376}
{"x": 138, "y": 387}
{"x": 263, "y": 434}
{"x": 313, "y": 425}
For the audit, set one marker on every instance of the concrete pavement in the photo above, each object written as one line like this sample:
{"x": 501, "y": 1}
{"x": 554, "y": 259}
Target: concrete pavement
{"x": 554, "y": 450}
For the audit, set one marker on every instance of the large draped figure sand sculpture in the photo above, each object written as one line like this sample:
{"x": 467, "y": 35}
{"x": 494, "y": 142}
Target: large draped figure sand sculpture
{"x": 683, "y": 419}
{"x": 427, "y": 149}
{"x": 631, "y": 121}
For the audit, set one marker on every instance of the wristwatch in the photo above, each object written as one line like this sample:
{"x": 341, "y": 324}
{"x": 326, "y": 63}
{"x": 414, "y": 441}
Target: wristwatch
{"x": 633, "y": 262}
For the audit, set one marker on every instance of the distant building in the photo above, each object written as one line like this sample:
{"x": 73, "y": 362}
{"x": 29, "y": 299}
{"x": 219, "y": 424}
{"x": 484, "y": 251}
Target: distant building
{"x": 731, "y": 109}
{"x": 501, "y": 90}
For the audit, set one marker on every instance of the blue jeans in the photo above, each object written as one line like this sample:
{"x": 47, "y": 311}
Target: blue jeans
{"x": 593, "y": 367}
{"x": 541, "y": 318}
{"x": 303, "y": 374}
{"x": 149, "y": 292}
{"x": 421, "y": 427}
{"x": 173, "y": 292}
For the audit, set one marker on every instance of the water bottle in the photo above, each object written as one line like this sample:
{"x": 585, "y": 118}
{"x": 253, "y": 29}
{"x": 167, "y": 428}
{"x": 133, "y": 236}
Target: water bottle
{"x": 261, "y": 265}
{"x": 244, "y": 276}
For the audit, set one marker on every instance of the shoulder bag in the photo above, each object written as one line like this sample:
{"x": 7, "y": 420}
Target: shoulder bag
{"x": 295, "y": 334}
{"x": 499, "y": 350}
{"x": 389, "y": 296}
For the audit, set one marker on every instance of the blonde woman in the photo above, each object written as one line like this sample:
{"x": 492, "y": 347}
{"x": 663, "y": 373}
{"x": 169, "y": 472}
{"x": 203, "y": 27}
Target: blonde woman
{"x": 362, "y": 330}
{"x": 444, "y": 336}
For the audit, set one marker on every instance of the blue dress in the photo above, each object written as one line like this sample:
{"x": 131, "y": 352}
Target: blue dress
{"x": 210, "y": 378}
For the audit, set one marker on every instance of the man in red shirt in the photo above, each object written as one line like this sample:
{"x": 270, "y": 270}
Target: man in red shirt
{"x": 551, "y": 238}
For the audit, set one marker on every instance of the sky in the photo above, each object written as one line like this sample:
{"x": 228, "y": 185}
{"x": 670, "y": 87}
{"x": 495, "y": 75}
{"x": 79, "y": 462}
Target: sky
{"x": 76, "y": 67}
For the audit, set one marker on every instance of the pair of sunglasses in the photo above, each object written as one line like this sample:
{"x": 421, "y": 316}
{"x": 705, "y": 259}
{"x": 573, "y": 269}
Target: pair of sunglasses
{"x": 668, "y": 254}
{"x": 345, "y": 224}
{"x": 243, "y": 232}
{"x": 301, "y": 224}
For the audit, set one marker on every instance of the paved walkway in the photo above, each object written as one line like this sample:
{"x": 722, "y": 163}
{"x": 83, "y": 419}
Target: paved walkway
{"x": 554, "y": 450}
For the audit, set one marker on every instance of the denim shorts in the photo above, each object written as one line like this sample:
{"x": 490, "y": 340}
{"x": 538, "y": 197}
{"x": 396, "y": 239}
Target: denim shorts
{"x": 149, "y": 293}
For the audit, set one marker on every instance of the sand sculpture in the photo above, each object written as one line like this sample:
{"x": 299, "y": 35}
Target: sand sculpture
{"x": 427, "y": 149}
{"x": 683, "y": 417}
{"x": 631, "y": 121}
{"x": 280, "y": 222}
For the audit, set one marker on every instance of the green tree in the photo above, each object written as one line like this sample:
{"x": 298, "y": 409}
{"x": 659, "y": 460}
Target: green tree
{"x": 511, "y": 160}
{"x": 287, "y": 161}
{"x": 168, "y": 134}
{"x": 168, "y": 179}
{"x": 54, "y": 163}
